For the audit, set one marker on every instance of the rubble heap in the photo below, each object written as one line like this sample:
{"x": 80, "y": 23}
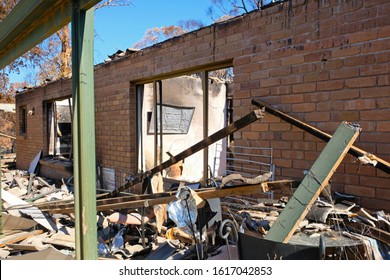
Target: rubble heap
{"x": 188, "y": 227}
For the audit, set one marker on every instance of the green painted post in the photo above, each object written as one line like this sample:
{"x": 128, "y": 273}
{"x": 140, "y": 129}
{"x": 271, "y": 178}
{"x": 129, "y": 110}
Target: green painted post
{"x": 84, "y": 162}
{"x": 313, "y": 183}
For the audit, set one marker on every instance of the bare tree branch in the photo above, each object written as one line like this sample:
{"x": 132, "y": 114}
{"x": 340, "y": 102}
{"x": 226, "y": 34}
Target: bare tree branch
{"x": 232, "y": 7}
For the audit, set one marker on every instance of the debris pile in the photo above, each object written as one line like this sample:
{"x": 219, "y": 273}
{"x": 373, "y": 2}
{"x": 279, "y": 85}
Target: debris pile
{"x": 8, "y": 161}
{"x": 347, "y": 230}
{"x": 32, "y": 188}
{"x": 204, "y": 223}
{"x": 225, "y": 218}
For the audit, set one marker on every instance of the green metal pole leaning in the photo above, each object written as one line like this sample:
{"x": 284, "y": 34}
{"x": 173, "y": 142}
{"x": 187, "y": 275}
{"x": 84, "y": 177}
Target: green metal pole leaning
{"x": 83, "y": 130}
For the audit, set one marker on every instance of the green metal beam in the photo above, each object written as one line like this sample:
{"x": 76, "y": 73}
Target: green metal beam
{"x": 313, "y": 183}
{"x": 83, "y": 132}
{"x": 30, "y": 22}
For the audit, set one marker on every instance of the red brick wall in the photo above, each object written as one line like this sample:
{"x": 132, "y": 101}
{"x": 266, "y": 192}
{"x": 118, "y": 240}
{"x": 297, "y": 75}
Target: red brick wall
{"x": 322, "y": 61}
{"x": 35, "y": 139}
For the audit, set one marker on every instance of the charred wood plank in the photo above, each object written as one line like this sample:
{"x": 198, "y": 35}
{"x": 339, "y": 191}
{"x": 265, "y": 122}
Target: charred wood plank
{"x": 354, "y": 151}
{"x": 237, "y": 125}
{"x": 132, "y": 202}
{"x": 17, "y": 237}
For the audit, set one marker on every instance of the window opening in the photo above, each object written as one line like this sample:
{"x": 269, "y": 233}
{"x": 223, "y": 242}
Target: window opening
{"x": 23, "y": 120}
{"x": 59, "y": 127}
{"x": 188, "y": 109}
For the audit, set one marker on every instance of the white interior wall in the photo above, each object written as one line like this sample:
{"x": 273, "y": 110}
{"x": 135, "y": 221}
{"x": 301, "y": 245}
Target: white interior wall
{"x": 186, "y": 91}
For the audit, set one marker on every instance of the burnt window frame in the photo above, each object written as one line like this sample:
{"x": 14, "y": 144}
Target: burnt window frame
{"x": 138, "y": 86}
{"x": 23, "y": 120}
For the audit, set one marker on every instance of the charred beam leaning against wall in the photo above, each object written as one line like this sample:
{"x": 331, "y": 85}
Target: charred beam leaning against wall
{"x": 244, "y": 121}
{"x": 354, "y": 151}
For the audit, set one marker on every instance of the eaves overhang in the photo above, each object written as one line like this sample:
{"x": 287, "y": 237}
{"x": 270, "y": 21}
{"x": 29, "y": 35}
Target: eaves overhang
{"x": 30, "y": 22}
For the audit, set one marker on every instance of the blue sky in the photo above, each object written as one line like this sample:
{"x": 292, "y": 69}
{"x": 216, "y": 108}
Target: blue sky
{"x": 121, "y": 27}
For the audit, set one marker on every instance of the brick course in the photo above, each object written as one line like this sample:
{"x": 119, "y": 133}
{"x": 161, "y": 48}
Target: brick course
{"x": 320, "y": 61}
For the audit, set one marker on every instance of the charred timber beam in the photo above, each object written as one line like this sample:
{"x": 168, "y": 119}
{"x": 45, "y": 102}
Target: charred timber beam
{"x": 146, "y": 200}
{"x": 354, "y": 151}
{"x": 51, "y": 205}
{"x": 237, "y": 125}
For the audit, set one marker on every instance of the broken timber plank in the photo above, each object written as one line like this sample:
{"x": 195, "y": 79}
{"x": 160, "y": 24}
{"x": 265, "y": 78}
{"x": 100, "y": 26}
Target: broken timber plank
{"x": 61, "y": 240}
{"x": 164, "y": 198}
{"x": 34, "y": 212}
{"x": 46, "y": 254}
{"x": 43, "y": 181}
{"x": 32, "y": 199}
{"x": 68, "y": 204}
{"x": 9, "y": 177}
{"x": 17, "y": 237}
{"x": 32, "y": 175}
{"x": 19, "y": 182}
{"x": 313, "y": 183}
{"x": 354, "y": 151}
{"x": 27, "y": 247}
{"x": 249, "y": 181}
{"x": 233, "y": 127}
{"x": 17, "y": 223}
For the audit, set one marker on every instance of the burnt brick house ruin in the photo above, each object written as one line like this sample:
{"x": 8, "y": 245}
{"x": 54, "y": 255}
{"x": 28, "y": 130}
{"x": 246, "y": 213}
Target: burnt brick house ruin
{"x": 321, "y": 61}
